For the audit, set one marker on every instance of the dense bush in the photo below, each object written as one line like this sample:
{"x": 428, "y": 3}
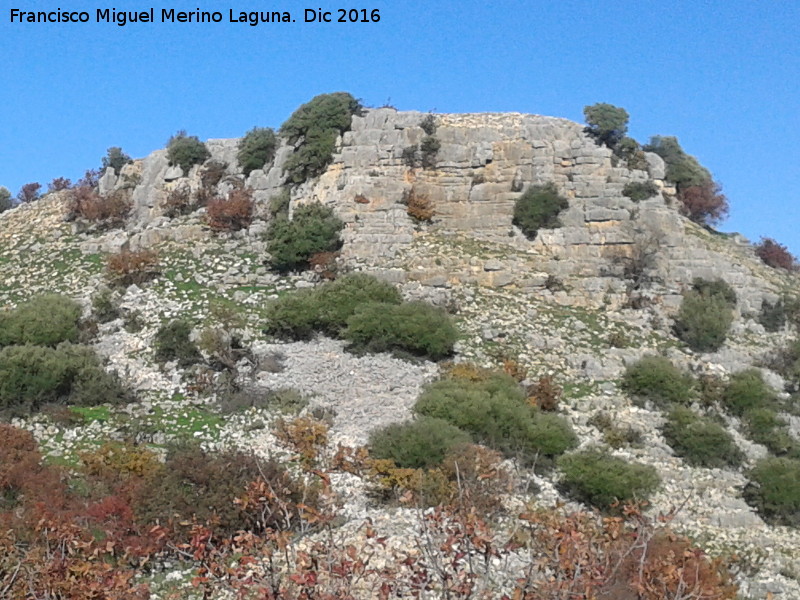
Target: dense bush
{"x": 172, "y": 343}
{"x": 278, "y": 206}
{"x": 772, "y": 316}
{"x": 59, "y": 184}
{"x": 110, "y": 210}
{"x": 656, "y": 379}
{"x": 746, "y": 390}
{"x": 29, "y": 192}
{"x": 429, "y": 149}
{"x": 178, "y": 201}
{"x": 538, "y": 208}
{"x": 6, "y": 202}
{"x": 328, "y": 307}
{"x": 316, "y": 125}
{"x": 775, "y": 490}
{"x": 313, "y": 228}
{"x": 640, "y": 190}
{"x": 629, "y": 150}
{"x": 42, "y": 321}
{"x": 196, "y": 486}
{"x": 775, "y": 255}
{"x": 418, "y": 206}
{"x": 256, "y": 149}
{"x": 115, "y": 158}
{"x": 682, "y": 169}
{"x": 599, "y": 479}
{"x": 700, "y": 441}
{"x": 704, "y": 203}
{"x": 764, "y": 426}
{"x": 705, "y": 315}
{"x": 715, "y": 287}
{"x": 416, "y": 328}
{"x": 421, "y": 443}
{"x": 496, "y": 413}
{"x": 785, "y": 360}
{"x": 606, "y": 123}
{"x": 132, "y": 267}
{"x": 232, "y": 213}
{"x": 186, "y": 151}
{"x": 32, "y": 376}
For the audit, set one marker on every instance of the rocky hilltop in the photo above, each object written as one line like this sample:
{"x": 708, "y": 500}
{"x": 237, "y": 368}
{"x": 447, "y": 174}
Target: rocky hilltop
{"x": 567, "y": 304}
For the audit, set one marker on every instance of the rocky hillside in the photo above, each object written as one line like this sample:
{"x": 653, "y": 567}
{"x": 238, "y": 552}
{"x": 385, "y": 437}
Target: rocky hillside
{"x": 580, "y": 303}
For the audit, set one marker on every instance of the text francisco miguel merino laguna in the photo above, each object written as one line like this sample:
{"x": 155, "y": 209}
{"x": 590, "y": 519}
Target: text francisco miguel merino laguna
{"x": 170, "y": 15}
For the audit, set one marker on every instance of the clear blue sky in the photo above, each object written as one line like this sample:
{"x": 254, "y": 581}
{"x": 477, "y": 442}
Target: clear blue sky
{"x": 720, "y": 75}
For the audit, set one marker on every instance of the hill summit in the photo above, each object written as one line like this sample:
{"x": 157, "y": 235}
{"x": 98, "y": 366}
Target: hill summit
{"x": 352, "y": 295}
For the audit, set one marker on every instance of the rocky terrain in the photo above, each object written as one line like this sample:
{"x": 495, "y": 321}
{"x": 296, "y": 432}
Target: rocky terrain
{"x": 559, "y": 305}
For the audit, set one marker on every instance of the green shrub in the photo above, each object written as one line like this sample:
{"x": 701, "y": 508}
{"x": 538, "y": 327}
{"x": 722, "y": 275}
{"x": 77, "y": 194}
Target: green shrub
{"x": 429, "y": 148}
{"x": 746, "y": 390}
{"x": 538, "y": 208}
{"x": 772, "y": 316}
{"x": 256, "y": 149}
{"x": 327, "y": 308}
{"x": 629, "y": 150}
{"x": 700, "y": 441}
{"x": 599, "y": 479}
{"x": 496, "y": 413}
{"x": 640, "y": 190}
{"x": 715, "y": 287}
{"x": 606, "y": 123}
{"x": 279, "y": 204}
{"x": 32, "y": 376}
{"x": 682, "y": 169}
{"x": 774, "y": 490}
{"x": 6, "y": 202}
{"x": 339, "y": 300}
{"x": 412, "y": 327}
{"x": 105, "y": 306}
{"x": 703, "y": 320}
{"x": 656, "y": 379}
{"x": 291, "y": 243}
{"x": 116, "y": 159}
{"x": 317, "y": 124}
{"x": 186, "y": 150}
{"x": 42, "y": 321}
{"x": 172, "y": 343}
{"x": 764, "y": 426}
{"x": 428, "y": 124}
{"x": 418, "y": 444}
{"x": 197, "y": 486}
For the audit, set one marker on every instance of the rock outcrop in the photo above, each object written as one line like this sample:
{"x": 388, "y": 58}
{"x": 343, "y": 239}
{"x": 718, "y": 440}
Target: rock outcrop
{"x": 484, "y": 163}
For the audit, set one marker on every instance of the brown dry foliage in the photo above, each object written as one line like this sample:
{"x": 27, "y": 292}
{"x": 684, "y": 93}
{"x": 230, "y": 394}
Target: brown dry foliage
{"x": 56, "y": 544}
{"x": 418, "y": 206}
{"x": 775, "y": 255}
{"x": 58, "y": 184}
{"x": 512, "y": 368}
{"x": 111, "y": 210}
{"x": 545, "y": 393}
{"x": 324, "y": 264}
{"x": 178, "y": 202}
{"x": 212, "y": 173}
{"x": 305, "y": 435}
{"x": 704, "y": 204}
{"x": 132, "y": 267}
{"x": 231, "y": 214}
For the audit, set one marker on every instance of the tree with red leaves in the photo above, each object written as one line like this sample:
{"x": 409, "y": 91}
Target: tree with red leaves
{"x": 775, "y": 255}
{"x": 704, "y": 203}
{"x": 29, "y": 192}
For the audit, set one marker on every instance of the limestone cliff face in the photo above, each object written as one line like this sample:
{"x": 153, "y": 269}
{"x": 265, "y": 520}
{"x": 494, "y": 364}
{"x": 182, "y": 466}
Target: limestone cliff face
{"x": 484, "y": 163}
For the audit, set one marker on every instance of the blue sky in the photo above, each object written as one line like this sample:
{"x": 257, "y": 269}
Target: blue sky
{"x": 720, "y": 75}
